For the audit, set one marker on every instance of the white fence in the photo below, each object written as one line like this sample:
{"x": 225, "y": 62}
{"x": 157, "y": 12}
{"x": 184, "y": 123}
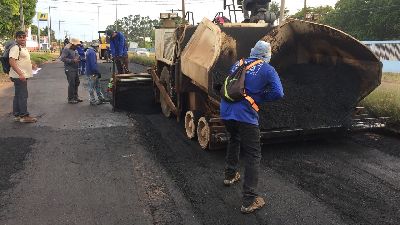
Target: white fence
{"x": 388, "y": 52}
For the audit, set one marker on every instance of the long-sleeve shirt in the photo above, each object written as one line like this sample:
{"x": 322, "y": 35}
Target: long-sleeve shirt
{"x": 67, "y": 56}
{"x": 118, "y": 45}
{"x": 262, "y": 83}
{"x": 81, "y": 52}
{"x": 91, "y": 62}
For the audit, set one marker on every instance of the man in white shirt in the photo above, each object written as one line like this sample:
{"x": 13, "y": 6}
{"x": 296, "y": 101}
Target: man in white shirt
{"x": 20, "y": 72}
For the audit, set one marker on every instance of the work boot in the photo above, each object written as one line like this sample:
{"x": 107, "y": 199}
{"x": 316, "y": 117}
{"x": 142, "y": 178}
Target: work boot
{"x": 72, "y": 101}
{"x": 257, "y": 204}
{"x": 79, "y": 100}
{"x": 17, "y": 118}
{"x": 27, "y": 119}
{"x": 228, "y": 181}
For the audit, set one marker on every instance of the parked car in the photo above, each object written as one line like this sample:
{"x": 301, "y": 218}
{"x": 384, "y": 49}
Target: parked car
{"x": 132, "y": 50}
{"x": 142, "y": 52}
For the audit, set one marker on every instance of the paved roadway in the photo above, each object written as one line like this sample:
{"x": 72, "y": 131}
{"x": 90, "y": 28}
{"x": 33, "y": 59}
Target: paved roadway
{"x": 86, "y": 165}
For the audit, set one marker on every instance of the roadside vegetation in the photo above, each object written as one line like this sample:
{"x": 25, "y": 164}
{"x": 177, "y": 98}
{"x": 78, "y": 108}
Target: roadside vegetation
{"x": 143, "y": 60}
{"x": 385, "y": 100}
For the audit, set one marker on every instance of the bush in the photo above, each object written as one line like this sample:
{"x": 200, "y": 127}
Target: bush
{"x": 385, "y": 100}
{"x": 41, "y": 57}
{"x": 143, "y": 60}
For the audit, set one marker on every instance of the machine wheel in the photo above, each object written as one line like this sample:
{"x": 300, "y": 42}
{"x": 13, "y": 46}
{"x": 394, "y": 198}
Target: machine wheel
{"x": 164, "y": 107}
{"x": 190, "y": 124}
{"x": 203, "y": 133}
{"x": 165, "y": 80}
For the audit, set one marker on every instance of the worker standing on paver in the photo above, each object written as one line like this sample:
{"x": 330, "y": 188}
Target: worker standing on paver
{"x": 70, "y": 57}
{"x": 262, "y": 84}
{"x": 93, "y": 75}
{"x": 119, "y": 50}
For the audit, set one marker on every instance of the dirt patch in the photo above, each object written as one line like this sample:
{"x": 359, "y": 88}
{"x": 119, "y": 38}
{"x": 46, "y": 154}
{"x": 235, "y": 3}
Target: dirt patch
{"x": 4, "y": 78}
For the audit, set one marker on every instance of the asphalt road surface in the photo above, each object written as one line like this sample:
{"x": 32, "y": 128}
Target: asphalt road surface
{"x": 85, "y": 165}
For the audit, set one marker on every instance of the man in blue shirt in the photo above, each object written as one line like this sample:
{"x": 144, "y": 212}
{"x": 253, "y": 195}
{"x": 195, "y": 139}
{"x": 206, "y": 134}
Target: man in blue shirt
{"x": 119, "y": 51}
{"x": 93, "y": 76}
{"x": 262, "y": 84}
{"x": 81, "y": 52}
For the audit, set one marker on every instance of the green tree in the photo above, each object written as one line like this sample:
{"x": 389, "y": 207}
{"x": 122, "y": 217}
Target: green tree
{"x": 275, "y": 7}
{"x": 34, "y": 30}
{"x": 135, "y": 28}
{"x": 9, "y": 20}
{"x": 317, "y": 14}
{"x": 44, "y": 32}
{"x": 367, "y": 19}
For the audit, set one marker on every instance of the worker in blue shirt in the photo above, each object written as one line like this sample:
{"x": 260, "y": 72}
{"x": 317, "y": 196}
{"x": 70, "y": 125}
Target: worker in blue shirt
{"x": 262, "y": 84}
{"x": 82, "y": 60}
{"x": 93, "y": 76}
{"x": 119, "y": 50}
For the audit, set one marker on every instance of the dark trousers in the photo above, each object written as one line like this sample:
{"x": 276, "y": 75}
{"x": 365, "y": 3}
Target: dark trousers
{"x": 122, "y": 64}
{"x": 245, "y": 137}
{"x": 20, "y": 102}
{"x": 73, "y": 84}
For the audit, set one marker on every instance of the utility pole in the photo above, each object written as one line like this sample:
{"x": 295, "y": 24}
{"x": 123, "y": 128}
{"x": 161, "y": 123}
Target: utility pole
{"x": 183, "y": 10}
{"x": 21, "y": 15}
{"x": 59, "y": 32}
{"x": 282, "y": 12}
{"x": 305, "y": 9}
{"x": 98, "y": 18}
{"x": 38, "y": 32}
{"x": 48, "y": 29}
{"x": 116, "y": 16}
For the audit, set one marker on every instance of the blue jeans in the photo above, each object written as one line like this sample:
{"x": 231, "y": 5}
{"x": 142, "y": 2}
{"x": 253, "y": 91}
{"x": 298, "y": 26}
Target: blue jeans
{"x": 82, "y": 67}
{"x": 245, "y": 137}
{"x": 20, "y": 102}
{"x": 94, "y": 85}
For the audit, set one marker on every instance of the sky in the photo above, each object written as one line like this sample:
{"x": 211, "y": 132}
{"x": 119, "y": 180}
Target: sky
{"x": 83, "y": 18}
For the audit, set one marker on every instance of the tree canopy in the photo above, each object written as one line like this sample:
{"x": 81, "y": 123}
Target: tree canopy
{"x": 367, "y": 19}
{"x": 9, "y": 11}
{"x": 315, "y": 13}
{"x": 135, "y": 28}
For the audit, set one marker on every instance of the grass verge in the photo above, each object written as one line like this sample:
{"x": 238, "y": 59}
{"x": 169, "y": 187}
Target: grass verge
{"x": 143, "y": 60}
{"x": 385, "y": 100}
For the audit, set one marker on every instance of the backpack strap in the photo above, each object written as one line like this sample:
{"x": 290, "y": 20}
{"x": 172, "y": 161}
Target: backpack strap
{"x": 19, "y": 53}
{"x": 258, "y": 61}
{"x": 247, "y": 97}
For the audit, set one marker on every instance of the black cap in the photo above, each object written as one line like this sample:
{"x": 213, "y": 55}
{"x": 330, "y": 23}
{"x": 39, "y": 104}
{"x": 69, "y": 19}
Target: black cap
{"x": 20, "y": 33}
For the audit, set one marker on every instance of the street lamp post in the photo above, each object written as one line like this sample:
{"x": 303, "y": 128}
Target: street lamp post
{"x": 282, "y": 12}
{"x": 49, "y": 27}
{"x": 59, "y": 32}
{"x": 98, "y": 18}
{"x": 116, "y": 15}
